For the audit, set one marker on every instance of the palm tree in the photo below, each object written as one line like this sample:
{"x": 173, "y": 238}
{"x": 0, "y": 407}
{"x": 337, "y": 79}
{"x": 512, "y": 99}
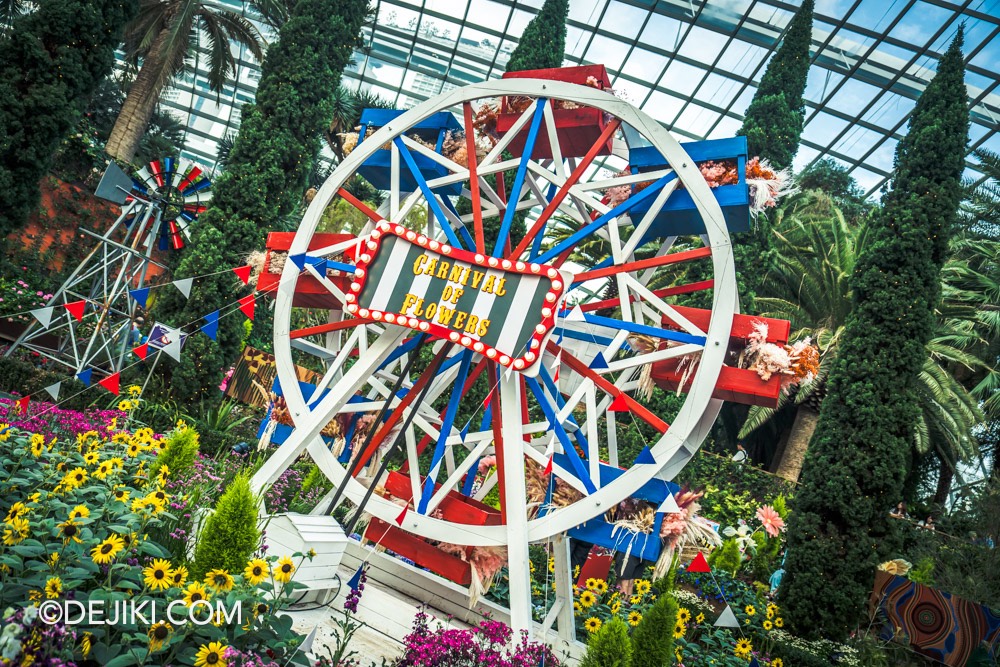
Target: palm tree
{"x": 816, "y": 249}
{"x": 162, "y": 37}
{"x": 10, "y": 10}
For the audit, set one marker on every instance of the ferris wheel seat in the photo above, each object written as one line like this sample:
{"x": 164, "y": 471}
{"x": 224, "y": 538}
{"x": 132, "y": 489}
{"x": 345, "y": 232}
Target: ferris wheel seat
{"x": 309, "y": 292}
{"x": 377, "y": 169}
{"x": 577, "y": 129}
{"x": 679, "y": 215}
{"x": 420, "y": 551}
{"x": 736, "y": 385}
{"x": 455, "y": 507}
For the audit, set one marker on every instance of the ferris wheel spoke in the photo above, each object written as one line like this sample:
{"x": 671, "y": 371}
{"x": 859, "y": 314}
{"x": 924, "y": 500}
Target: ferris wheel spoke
{"x": 446, "y": 427}
{"x": 474, "y": 196}
{"x": 522, "y": 169}
{"x": 578, "y": 468}
{"x": 429, "y": 197}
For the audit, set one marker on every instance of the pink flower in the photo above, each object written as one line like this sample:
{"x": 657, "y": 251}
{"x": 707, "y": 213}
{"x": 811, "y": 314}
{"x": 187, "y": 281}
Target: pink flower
{"x": 771, "y": 520}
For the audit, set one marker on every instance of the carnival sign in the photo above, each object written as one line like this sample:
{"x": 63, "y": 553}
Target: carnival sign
{"x": 497, "y": 307}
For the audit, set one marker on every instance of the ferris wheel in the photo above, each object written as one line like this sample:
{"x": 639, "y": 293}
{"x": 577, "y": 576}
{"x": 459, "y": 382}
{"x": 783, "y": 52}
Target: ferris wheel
{"x": 454, "y": 344}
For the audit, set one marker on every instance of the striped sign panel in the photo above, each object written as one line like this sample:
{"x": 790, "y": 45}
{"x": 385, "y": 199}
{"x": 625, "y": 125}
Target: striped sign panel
{"x": 496, "y": 307}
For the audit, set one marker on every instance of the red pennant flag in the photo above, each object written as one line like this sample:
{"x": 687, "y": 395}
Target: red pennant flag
{"x": 548, "y": 467}
{"x": 402, "y": 515}
{"x": 489, "y": 397}
{"x": 247, "y": 304}
{"x": 111, "y": 383}
{"x": 243, "y": 273}
{"x": 22, "y": 405}
{"x": 699, "y": 564}
{"x": 75, "y": 309}
{"x": 141, "y": 351}
{"x": 619, "y": 404}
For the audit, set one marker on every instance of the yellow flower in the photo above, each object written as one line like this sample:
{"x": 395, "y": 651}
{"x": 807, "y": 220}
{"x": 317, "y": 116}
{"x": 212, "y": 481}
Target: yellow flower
{"x": 679, "y": 630}
{"x": 103, "y": 470}
{"x": 37, "y": 445}
{"x": 601, "y": 587}
{"x": 219, "y": 581}
{"x": 210, "y": 655}
{"x": 750, "y": 610}
{"x": 70, "y": 531}
{"x": 133, "y": 450}
{"x": 17, "y": 530}
{"x": 743, "y": 648}
{"x": 777, "y": 662}
{"x": 642, "y": 586}
{"x": 125, "y": 405}
{"x": 591, "y": 584}
{"x": 778, "y": 622}
{"x": 158, "y": 575}
{"x": 17, "y": 511}
{"x": 79, "y": 512}
{"x": 35, "y": 597}
{"x": 75, "y": 478}
{"x": 85, "y": 644}
{"x": 194, "y": 592}
{"x": 121, "y": 494}
{"x": 576, "y": 606}
{"x": 588, "y": 599}
{"x": 683, "y": 615}
{"x": 592, "y": 624}
{"x": 634, "y": 618}
{"x": 134, "y": 390}
{"x": 552, "y": 565}
{"x": 616, "y": 606}
{"x": 256, "y": 571}
{"x": 767, "y": 625}
{"x": 158, "y": 635}
{"x": 635, "y": 599}
{"x": 179, "y": 576}
{"x": 285, "y": 570}
{"x": 4, "y": 431}
{"x": 106, "y": 551}
{"x": 117, "y": 462}
{"x": 90, "y": 458}
{"x": 53, "y": 558}
{"x": 53, "y": 587}
{"x": 35, "y": 498}
{"x": 699, "y": 619}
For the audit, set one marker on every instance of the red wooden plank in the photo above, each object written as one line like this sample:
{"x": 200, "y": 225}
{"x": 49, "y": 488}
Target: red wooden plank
{"x": 454, "y": 507}
{"x": 672, "y": 258}
{"x": 420, "y": 552}
{"x": 666, "y": 291}
{"x": 470, "y": 149}
{"x": 360, "y": 205}
{"x": 328, "y": 327}
{"x": 738, "y": 385}
{"x": 777, "y": 330}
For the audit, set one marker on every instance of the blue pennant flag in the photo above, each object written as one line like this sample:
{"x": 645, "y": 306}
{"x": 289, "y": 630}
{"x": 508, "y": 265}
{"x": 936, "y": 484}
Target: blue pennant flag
{"x": 645, "y": 456}
{"x": 84, "y": 376}
{"x": 598, "y": 363}
{"x": 211, "y": 328}
{"x": 140, "y": 296}
{"x": 356, "y": 578}
{"x": 298, "y": 260}
{"x": 465, "y": 432}
{"x": 754, "y": 663}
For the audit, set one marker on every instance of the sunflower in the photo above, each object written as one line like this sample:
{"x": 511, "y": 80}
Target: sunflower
{"x": 179, "y": 576}
{"x": 679, "y": 630}
{"x": 219, "y": 581}
{"x": 699, "y": 619}
{"x": 17, "y": 511}
{"x": 90, "y": 458}
{"x": 158, "y": 576}
{"x": 576, "y": 606}
{"x": 133, "y": 450}
{"x": 601, "y": 587}
{"x": 85, "y": 644}
{"x": 256, "y": 571}
{"x": 158, "y": 635}
{"x": 17, "y": 530}
{"x": 552, "y": 565}
{"x": 70, "y": 531}
{"x": 35, "y": 597}
{"x": 194, "y": 592}
{"x": 634, "y": 618}
{"x": 777, "y": 662}
{"x": 79, "y": 512}
{"x": 53, "y": 587}
{"x": 125, "y": 405}
{"x": 104, "y": 470}
{"x": 683, "y": 615}
{"x": 750, "y": 610}
{"x": 591, "y": 584}
{"x": 616, "y": 606}
{"x": 743, "y": 648}
{"x": 767, "y": 625}
{"x": 778, "y": 622}
{"x": 588, "y": 599}
{"x": 4, "y": 431}
{"x": 117, "y": 462}
{"x": 210, "y": 655}
{"x": 53, "y": 558}
{"x": 75, "y": 478}
{"x": 121, "y": 494}
{"x": 37, "y": 445}
{"x": 155, "y": 503}
{"x": 642, "y": 586}
{"x": 635, "y": 599}
{"x": 592, "y": 624}
{"x": 285, "y": 570}
{"x": 106, "y": 551}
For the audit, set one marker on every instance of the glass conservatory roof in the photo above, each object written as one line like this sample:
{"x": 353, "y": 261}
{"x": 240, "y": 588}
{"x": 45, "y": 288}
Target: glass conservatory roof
{"x": 692, "y": 65}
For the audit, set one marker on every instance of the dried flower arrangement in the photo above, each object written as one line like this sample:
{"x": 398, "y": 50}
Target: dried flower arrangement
{"x": 797, "y": 363}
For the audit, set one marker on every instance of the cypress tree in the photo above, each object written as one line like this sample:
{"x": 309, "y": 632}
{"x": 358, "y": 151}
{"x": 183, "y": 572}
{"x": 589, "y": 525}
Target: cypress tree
{"x": 543, "y": 41}
{"x": 50, "y": 64}
{"x": 857, "y": 460}
{"x": 264, "y": 180}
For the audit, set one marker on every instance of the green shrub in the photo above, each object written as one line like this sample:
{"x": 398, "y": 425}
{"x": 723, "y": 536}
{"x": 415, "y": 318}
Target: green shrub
{"x": 178, "y": 454}
{"x": 230, "y": 535}
{"x": 653, "y": 639}
{"x": 610, "y": 646}
{"x": 727, "y": 557}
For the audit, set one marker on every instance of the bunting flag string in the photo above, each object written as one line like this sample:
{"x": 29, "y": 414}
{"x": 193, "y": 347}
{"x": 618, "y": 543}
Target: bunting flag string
{"x": 53, "y": 390}
{"x": 183, "y": 285}
{"x": 618, "y": 404}
{"x": 111, "y": 383}
{"x": 43, "y": 315}
{"x": 141, "y": 351}
{"x": 211, "y": 326}
{"x": 247, "y": 305}
{"x": 243, "y": 273}
{"x": 22, "y": 404}
{"x": 140, "y": 296}
{"x": 76, "y": 308}
{"x": 84, "y": 376}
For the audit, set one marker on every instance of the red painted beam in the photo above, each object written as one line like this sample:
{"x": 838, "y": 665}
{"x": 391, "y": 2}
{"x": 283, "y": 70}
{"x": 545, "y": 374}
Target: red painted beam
{"x": 666, "y": 291}
{"x": 475, "y": 196}
{"x": 639, "y": 265}
{"x": 737, "y": 385}
{"x": 328, "y": 327}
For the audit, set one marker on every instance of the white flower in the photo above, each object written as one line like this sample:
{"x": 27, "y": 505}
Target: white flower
{"x": 743, "y": 535}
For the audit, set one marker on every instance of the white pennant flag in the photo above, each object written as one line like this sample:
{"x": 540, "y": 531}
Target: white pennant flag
{"x": 669, "y": 505}
{"x": 43, "y": 315}
{"x": 184, "y": 285}
{"x": 173, "y": 345}
{"x": 53, "y": 390}
{"x": 727, "y": 619}
{"x": 307, "y": 643}
{"x": 576, "y": 315}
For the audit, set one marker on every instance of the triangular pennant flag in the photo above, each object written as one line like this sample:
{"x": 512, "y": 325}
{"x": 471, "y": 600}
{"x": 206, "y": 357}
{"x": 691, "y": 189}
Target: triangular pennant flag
{"x": 402, "y": 515}
{"x": 247, "y": 304}
{"x": 550, "y": 451}
{"x": 141, "y": 351}
{"x": 298, "y": 260}
{"x": 84, "y": 376}
{"x": 22, "y": 404}
{"x": 669, "y": 505}
{"x": 556, "y": 365}
{"x": 753, "y": 663}
{"x": 43, "y": 315}
{"x": 184, "y": 285}
{"x": 699, "y": 564}
{"x": 173, "y": 346}
{"x": 576, "y": 315}
{"x": 53, "y": 390}
{"x": 307, "y": 643}
{"x": 548, "y": 467}
{"x": 211, "y": 328}
{"x": 111, "y": 383}
{"x": 320, "y": 265}
{"x": 140, "y": 296}
{"x": 486, "y": 402}
{"x": 75, "y": 309}
{"x": 243, "y": 273}
{"x": 619, "y": 404}
{"x": 355, "y": 580}
{"x": 599, "y": 364}
{"x": 464, "y": 433}
{"x": 727, "y": 619}
{"x": 645, "y": 456}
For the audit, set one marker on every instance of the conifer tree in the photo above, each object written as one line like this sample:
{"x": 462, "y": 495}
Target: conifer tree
{"x": 264, "y": 180}
{"x": 857, "y": 460}
{"x": 51, "y": 62}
